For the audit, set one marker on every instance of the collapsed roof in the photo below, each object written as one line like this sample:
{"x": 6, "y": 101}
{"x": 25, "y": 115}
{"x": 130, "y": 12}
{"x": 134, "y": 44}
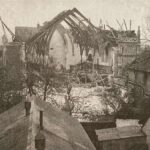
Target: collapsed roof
{"x": 83, "y": 31}
{"x": 74, "y": 19}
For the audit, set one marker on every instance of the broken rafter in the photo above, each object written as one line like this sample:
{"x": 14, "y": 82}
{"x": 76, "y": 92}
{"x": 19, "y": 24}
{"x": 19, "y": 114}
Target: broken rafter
{"x": 79, "y": 13}
{"x": 69, "y": 23}
{"x": 40, "y": 41}
{"x": 75, "y": 26}
{"x": 112, "y": 31}
{"x": 119, "y": 24}
{"x": 130, "y": 24}
{"x": 74, "y": 23}
{"x": 4, "y": 25}
{"x": 125, "y": 24}
{"x": 59, "y": 18}
{"x": 80, "y": 21}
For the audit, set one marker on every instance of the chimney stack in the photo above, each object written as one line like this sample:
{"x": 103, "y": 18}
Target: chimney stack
{"x": 40, "y": 141}
{"x": 139, "y": 34}
{"x": 27, "y": 105}
{"x": 41, "y": 119}
{"x": 115, "y": 63}
{"x": 38, "y": 26}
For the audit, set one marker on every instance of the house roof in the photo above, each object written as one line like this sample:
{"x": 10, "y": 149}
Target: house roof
{"x": 119, "y": 133}
{"x": 62, "y": 132}
{"x": 127, "y": 122}
{"x": 142, "y": 62}
{"x": 24, "y": 33}
{"x": 14, "y": 128}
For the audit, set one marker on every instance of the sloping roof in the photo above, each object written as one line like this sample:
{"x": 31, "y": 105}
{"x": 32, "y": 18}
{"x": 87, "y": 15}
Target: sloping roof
{"x": 62, "y": 132}
{"x": 23, "y": 34}
{"x": 142, "y": 62}
{"x": 14, "y": 128}
{"x": 119, "y": 133}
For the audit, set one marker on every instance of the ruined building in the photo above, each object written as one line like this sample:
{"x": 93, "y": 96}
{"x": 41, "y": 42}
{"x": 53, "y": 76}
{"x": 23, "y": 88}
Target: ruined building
{"x": 72, "y": 39}
{"x": 128, "y": 49}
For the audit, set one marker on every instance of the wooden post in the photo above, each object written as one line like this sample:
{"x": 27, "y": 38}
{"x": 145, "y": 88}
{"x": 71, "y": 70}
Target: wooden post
{"x": 115, "y": 63}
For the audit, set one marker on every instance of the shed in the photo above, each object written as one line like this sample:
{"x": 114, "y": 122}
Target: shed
{"x": 121, "y": 138}
{"x": 105, "y": 121}
{"x": 139, "y": 70}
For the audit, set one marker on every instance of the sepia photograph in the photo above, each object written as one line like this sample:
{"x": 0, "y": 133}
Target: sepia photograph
{"x": 75, "y": 75}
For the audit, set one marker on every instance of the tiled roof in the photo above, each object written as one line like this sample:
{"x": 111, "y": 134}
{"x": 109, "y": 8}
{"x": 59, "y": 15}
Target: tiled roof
{"x": 142, "y": 62}
{"x": 62, "y": 132}
{"x": 119, "y": 133}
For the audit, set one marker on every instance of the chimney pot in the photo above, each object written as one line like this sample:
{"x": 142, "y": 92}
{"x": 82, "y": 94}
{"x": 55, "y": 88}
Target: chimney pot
{"x": 38, "y": 26}
{"x": 139, "y": 33}
{"x": 27, "y": 105}
{"x": 40, "y": 141}
{"x": 41, "y": 119}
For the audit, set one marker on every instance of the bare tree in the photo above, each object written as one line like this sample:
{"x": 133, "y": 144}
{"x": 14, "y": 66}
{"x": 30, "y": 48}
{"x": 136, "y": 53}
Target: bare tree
{"x": 112, "y": 99}
{"x": 45, "y": 79}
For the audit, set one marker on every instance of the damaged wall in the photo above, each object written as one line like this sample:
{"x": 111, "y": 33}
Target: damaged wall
{"x": 63, "y": 49}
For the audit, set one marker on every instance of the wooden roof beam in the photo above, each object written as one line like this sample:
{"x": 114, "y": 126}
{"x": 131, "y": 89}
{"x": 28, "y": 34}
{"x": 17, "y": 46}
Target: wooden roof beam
{"x": 80, "y": 14}
{"x": 80, "y": 21}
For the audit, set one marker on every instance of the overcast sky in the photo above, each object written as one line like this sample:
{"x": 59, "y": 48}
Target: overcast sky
{"x": 30, "y": 12}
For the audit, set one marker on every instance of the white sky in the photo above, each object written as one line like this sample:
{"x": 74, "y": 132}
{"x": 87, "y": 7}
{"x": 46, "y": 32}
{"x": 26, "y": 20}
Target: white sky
{"x": 30, "y": 12}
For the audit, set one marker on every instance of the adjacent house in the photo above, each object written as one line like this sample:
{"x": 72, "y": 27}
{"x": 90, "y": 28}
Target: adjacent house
{"x": 14, "y": 59}
{"x": 105, "y": 121}
{"x": 139, "y": 70}
{"x": 127, "y": 50}
{"x": 128, "y": 135}
{"x": 122, "y": 138}
{"x": 22, "y": 34}
{"x": 41, "y": 127}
